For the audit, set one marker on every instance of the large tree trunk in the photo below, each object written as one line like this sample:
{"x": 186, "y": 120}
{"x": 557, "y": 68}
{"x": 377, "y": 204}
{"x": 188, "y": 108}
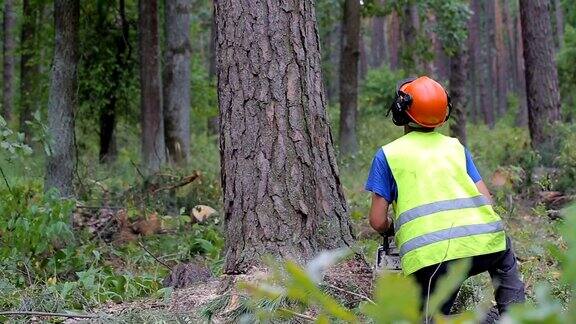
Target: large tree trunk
{"x": 177, "y": 80}
{"x": 153, "y": 148}
{"x": 9, "y": 59}
{"x": 458, "y": 96}
{"x": 108, "y": 148}
{"x": 541, "y": 74}
{"x": 350, "y": 51}
{"x": 63, "y": 98}
{"x": 29, "y": 68}
{"x": 282, "y": 192}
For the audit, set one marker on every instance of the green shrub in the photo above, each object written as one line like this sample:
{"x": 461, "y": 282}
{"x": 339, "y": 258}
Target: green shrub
{"x": 378, "y": 90}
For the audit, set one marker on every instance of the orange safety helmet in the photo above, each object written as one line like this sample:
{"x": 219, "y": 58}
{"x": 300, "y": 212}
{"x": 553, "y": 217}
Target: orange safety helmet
{"x": 421, "y": 100}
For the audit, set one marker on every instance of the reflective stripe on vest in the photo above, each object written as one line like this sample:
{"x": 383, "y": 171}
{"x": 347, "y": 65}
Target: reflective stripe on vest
{"x": 431, "y": 208}
{"x": 450, "y": 233}
{"x": 439, "y": 213}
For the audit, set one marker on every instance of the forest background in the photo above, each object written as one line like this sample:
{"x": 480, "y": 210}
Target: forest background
{"x": 107, "y": 176}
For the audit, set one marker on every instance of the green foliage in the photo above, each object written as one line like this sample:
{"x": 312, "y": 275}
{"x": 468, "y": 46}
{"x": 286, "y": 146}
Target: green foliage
{"x": 396, "y": 299}
{"x": 11, "y": 143}
{"x": 452, "y": 19}
{"x": 33, "y": 226}
{"x": 549, "y": 309}
{"x": 378, "y": 90}
{"x": 567, "y": 71}
{"x": 513, "y": 147}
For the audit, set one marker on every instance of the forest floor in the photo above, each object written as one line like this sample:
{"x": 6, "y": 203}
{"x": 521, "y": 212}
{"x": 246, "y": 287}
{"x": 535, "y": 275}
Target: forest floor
{"x": 528, "y": 224}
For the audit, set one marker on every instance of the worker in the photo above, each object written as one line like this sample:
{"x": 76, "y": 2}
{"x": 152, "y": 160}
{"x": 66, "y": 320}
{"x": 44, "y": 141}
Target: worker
{"x": 442, "y": 208}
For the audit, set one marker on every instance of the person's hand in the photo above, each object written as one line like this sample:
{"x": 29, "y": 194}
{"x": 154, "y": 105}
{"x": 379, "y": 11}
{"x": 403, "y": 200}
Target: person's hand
{"x": 390, "y": 230}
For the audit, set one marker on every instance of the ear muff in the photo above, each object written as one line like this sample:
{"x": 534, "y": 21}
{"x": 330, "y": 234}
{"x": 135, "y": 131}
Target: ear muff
{"x": 449, "y": 106}
{"x": 400, "y": 104}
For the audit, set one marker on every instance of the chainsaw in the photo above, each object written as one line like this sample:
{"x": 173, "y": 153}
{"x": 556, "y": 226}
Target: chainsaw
{"x": 388, "y": 256}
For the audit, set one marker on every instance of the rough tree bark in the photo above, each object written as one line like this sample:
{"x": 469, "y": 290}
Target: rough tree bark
{"x": 63, "y": 98}
{"x": 458, "y": 85}
{"x": 281, "y": 187}
{"x": 153, "y": 148}
{"x": 349, "y": 57}
{"x": 108, "y": 148}
{"x": 177, "y": 80}
{"x": 29, "y": 68}
{"x": 9, "y": 59}
{"x": 541, "y": 73}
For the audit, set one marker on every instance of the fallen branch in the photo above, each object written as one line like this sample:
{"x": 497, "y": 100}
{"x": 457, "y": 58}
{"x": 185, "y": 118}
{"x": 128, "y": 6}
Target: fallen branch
{"x": 182, "y": 183}
{"x": 299, "y": 315}
{"x": 99, "y": 207}
{"x": 34, "y": 313}
{"x": 155, "y": 258}
{"x": 366, "y": 298}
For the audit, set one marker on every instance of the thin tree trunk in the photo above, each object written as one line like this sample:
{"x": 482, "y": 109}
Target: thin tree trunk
{"x": 485, "y": 63}
{"x": 473, "y": 58}
{"x": 108, "y": 148}
{"x": 281, "y": 188}
{"x": 362, "y": 58}
{"x": 349, "y": 57}
{"x": 458, "y": 84}
{"x": 177, "y": 80}
{"x": 559, "y": 22}
{"x": 63, "y": 98}
{"x": 29, "y": 68}
{"x": 213, "y": 122}
{"x": 153, "y": 148}
{"x": 9, "y": 59}
{"x": 541, "y": 73}
{"x": 500, "y": 58}
{"x": 378, "y": 50}
{"x": 410, "y": 28}
{"x": 394, "y": 41}
{"x": 510, "y": 59}
{"x": 332, "y": 80}
{"x": 522, "y": 118}
{"x": 212, "y": 58}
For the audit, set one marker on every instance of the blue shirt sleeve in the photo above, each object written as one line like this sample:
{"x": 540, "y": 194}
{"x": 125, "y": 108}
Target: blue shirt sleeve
{"x": 471, "y": 167}
{"x": 380, "y": 180}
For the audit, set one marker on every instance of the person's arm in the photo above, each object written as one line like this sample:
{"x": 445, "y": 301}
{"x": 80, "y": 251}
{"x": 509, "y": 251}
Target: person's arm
{"x": 379, "y": 214}
{"x": 484, "y": 190}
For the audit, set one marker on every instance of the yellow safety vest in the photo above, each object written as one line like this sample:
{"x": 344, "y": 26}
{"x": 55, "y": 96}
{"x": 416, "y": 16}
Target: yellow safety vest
{"x": 439, "y": 213}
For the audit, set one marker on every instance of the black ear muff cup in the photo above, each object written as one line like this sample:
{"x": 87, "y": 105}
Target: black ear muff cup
{"x": 400, "y": 104}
